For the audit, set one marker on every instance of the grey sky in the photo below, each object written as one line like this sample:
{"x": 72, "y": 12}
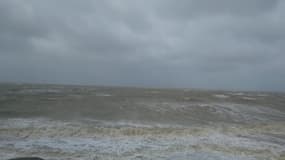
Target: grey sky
{"x": 217, "y": 44}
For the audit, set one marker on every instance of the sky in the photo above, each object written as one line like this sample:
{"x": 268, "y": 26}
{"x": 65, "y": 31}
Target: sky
{"x": 209, "y": 44}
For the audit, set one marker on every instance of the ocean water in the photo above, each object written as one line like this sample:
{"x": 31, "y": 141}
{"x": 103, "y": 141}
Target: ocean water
{"x": 86, "y": 123}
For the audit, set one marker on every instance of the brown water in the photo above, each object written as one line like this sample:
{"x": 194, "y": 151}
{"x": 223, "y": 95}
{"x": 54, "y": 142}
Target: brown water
{"x": 87, "y": 122}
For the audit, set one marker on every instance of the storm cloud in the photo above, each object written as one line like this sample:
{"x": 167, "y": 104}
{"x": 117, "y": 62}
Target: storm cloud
{"x": 221, "y": 44}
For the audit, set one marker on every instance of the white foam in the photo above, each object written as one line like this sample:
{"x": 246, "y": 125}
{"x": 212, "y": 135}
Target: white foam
{"x": 262, "y": 95}
{"x": 220, "y": 96}
{"x": 248, "y": 98}
{"x": 237, "y": 93}
{"x": 36, "y": 91}
{"x": 52, "y": 139}
{"x": 103, "y": 95}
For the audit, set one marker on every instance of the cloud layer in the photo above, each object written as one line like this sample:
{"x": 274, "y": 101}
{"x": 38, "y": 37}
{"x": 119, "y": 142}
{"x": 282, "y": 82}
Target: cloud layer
{"x": 222, "y": 44}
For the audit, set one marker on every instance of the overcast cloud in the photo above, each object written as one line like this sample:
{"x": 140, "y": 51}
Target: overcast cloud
{"x": 216, "y": 44}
